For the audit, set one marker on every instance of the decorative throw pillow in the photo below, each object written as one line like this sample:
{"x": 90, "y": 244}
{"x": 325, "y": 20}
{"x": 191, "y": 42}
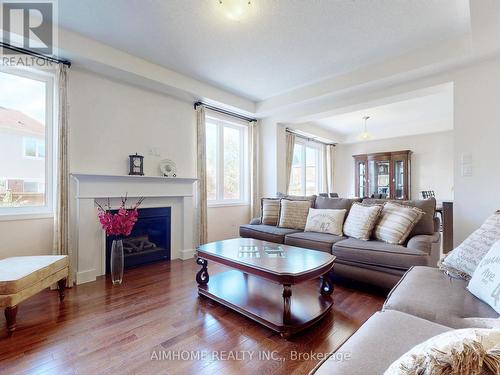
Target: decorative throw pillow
{"x": 293, "y": 214}
{"x": 471, "y": 351}
{"x": 462, "y": 261}
{"x": 270, "y": 209}
{"x": 396, "y": 222}
{"x": 325, "y": 221}
{"x": 485, "y": 282}
{"x": 361, "y": 220}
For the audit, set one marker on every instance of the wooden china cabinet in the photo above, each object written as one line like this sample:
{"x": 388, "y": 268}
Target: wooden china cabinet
{"x": 383, "y": 173}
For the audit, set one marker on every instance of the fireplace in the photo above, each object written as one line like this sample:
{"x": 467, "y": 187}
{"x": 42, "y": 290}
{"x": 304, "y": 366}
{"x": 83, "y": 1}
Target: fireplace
{"x": 149, "y": 241}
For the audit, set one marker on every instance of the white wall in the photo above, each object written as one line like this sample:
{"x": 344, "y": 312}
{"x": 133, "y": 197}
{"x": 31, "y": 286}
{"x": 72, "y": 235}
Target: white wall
{"x": 477, "y": 134}
{"x": 26, "y": 237}
{"x": 224, "y": 221}
{"x": 431, "y": 162}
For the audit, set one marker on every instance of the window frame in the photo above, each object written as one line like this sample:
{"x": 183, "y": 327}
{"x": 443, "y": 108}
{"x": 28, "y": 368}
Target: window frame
{"x": 47, "y": 210}
{"x": 319, "y": 164}
{"x": 221, "y": 123}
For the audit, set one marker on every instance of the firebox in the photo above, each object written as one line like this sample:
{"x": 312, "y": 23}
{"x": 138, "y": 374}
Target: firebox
{"x": 149, "y": 241}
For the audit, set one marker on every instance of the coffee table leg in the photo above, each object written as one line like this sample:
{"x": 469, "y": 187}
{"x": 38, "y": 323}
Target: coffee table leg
{"x": 326, "y": 284}
{"x": 202, "y": 276}
{"x": 287, "y": 306}
{"x": 10, "y": 316}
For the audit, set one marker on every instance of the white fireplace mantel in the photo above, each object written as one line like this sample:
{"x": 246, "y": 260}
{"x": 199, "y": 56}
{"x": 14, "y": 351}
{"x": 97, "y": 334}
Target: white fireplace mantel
{"x": 88, "y": 238}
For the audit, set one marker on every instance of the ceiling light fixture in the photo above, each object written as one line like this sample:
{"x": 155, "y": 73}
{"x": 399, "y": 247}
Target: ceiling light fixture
{"x": 364, "y": 136}
{"x": 235, "y": 9}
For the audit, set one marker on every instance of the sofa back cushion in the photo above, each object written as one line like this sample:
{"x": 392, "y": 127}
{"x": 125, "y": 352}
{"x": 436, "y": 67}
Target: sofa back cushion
{"x": 426, "y": 224}
{"x": 361, "y": 220}
{"x": 396, "y": 222}
{"x": 335, "y": 203}
{"x": 270, "y": 208}
{"x": 293, "y": 213}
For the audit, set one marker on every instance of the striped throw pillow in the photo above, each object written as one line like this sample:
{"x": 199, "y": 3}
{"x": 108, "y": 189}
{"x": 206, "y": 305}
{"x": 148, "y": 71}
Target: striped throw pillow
{"x": 270, "y": 211}
{"x": 293, "y": 214}
{"x": 361, "y": 220}
{"x": 396, "y": 222}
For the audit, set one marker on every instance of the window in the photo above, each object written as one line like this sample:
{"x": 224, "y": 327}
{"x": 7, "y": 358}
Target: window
{"x": 227, "y": 162}
{"x": 305, "y": 177}
{"x": 26, "y": 144}
{"x": 34, "y": 148}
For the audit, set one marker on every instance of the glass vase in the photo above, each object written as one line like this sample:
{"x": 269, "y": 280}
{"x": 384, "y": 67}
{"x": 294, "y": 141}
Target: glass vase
{"x": 116, "y": 262}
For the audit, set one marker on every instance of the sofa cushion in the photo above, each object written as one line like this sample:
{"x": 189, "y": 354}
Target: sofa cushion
{"x": 265, "y": 232}
{"x": 18, "y": 273}
{"x": 426, "y": 224}
{"x": 396, "y": 222}
{"x": 485, "y": 282}
{"x": 429, "y": 294}
{"x": 325, "y": 221}
{"x": 463, "y": 261}
{"x": 335, "y": 203}
{"x": 293, "y": 213}
{"x": 313, "y": 240}
{"x": 270, "y": 208}
{"x": 361, "y": 220}
{"x": 378, "y": 253}
{"x": 374, "y": 346}
{"x": 311, "y": 198}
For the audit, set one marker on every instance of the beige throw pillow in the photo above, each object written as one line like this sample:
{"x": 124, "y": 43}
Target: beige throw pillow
{"x": 396, "y": 222}
{"x": 470, "y": 351}
{"x": 462, "y": 261}
{"x": 270, "y": 209}
{"x": 325, "y": 221}
{"x": 361, "y": 221}
{"x": 293, "y": 214}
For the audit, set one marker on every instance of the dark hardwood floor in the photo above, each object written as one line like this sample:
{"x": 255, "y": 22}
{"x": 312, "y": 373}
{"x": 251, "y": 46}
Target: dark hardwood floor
{"x": 100, "y": 329}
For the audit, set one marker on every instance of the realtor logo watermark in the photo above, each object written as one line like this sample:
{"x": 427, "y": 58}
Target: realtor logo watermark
{"x": 29, "y": 25}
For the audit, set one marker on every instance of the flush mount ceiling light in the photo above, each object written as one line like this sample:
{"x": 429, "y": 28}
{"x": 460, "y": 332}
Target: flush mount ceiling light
{"x": 364, "y": 136}
{"x": 235, "y": 9}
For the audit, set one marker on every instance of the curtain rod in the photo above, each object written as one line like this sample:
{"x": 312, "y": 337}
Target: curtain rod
{"x": 35, "y": 54}
{"x": 309, "y": 138}
{"x": 220, "y": 110}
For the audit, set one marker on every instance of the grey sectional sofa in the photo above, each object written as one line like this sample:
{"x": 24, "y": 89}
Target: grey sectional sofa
{"x": 373, "y": 261}
{"x": 423, "y": 304}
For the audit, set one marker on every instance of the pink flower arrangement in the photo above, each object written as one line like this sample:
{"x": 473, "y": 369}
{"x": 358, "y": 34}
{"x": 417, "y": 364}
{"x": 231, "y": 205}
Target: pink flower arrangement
{"x": 120, "y": 223}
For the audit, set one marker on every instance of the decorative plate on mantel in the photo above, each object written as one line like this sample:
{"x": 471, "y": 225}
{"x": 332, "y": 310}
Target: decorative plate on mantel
{"x": 168, "y": 168}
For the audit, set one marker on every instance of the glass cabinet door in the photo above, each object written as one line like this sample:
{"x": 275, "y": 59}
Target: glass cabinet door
{"x": 399, "y": 179}
{"x": 361, "y": 178}
{"x": 379, "y": 178}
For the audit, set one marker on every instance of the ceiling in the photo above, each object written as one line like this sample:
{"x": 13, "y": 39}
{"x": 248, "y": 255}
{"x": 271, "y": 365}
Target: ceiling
{"x": 420, "y": 115}
{"x": 278, "y": 46}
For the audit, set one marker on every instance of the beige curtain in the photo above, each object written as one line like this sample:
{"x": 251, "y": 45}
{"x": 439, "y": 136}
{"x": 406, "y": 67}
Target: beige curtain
{"x": 253, "y": 135}
{"x": 290, "y": 144}
{"x": 202, "y": 175}
{"x": 328, "y": 168}
{"x": 61, "y": 217}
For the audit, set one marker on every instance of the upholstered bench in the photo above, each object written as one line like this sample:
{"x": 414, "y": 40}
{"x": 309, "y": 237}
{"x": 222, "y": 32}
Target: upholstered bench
{"x": 22, "y": 277}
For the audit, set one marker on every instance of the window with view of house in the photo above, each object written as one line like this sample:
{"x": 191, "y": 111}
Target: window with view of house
{"x": 26, "y": 117}
{"x": 305, "y": 177}
{"x": 227, "y": 161}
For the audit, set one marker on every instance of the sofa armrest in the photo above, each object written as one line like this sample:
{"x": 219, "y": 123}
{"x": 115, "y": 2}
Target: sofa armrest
{"x": 255, "y": 221}
{"x": 437, "y": 224}
{"x": 430, "y": 244}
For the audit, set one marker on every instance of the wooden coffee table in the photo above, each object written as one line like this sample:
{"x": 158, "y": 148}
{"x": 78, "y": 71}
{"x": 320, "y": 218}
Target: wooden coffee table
{"x": 259, "y": 285}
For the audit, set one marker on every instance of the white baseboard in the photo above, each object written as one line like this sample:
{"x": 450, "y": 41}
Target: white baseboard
{"x": 186, "y": 254}
{"x": 85, "y": 277}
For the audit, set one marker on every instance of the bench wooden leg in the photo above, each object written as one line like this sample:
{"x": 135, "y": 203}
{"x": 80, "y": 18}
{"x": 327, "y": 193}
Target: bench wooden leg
{"x": 10, "y": 316}
{"x": 61, "y": 284}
